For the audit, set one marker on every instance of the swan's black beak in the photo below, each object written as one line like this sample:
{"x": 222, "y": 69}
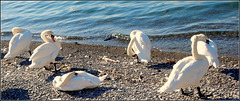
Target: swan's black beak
{"x": 52, "y": 36}
{"x": 207, "y": 41}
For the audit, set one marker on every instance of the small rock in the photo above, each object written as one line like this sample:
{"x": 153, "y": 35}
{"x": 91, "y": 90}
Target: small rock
{"x": 56, "y": 99}
{"x": 131, "y": 63}
{"x": 86, "y": 56}
{"x": 17, "y": 66}
{"x": 75, "y": 43}
{"x": 70, "y": 55}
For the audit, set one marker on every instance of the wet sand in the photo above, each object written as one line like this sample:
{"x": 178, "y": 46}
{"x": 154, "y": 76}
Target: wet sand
{"x": 127, "y": 79}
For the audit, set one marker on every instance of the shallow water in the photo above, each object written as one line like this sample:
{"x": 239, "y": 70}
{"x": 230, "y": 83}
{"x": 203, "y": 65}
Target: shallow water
{"x": 90, "y": 22}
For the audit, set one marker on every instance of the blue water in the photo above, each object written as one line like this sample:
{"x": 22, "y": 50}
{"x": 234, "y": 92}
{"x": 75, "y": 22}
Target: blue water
{"x": 99, "y": 19}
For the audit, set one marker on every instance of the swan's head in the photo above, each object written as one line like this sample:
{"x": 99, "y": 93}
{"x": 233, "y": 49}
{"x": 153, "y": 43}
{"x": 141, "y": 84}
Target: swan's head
{"x": 16, "y": 30}
{"x": 134, "y": 32}
{"x": 200, "y": 37}
{"x": 48, "y": 34}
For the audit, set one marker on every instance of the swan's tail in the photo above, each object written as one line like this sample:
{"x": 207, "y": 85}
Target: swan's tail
{"x": 162, "y": 89}
{"x": 216, "y": 63}
{"x": 102, "y": 77}
{"x": 166, "y": 87}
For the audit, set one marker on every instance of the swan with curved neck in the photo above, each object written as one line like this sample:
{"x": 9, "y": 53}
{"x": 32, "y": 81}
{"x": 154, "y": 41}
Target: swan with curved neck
{"x": 19, "y": 43}
{"x": 139, "y": 46}
{"x": 46, "y": 53}
{"x": 76, "y": 80}
{"x": 47, "y": 33}
{"x": 189, "y": 70}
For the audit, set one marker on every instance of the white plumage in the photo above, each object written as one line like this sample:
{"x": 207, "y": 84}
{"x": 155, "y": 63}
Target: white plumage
{"x": 188, "y": 71}
{"x": 19, "y": 43}
{"x": 140, "y": 45}
{"x": 76, "y": 80}
{"x": 46, "y": 52}
{"x": 210, "y": 51}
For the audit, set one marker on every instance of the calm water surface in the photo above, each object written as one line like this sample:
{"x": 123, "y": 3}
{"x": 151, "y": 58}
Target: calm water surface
{"x": 96, "y": 20}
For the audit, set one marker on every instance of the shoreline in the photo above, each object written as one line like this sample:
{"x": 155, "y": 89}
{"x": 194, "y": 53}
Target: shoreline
{"x": 127, "y": 80}
{"x": 226, "y": 41}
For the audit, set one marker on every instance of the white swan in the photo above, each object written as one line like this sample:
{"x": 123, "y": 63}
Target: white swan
{"x": 76, "y": 80}
{"x": 19, "y": 43}
{"x": 210, "y": 51}
{"x": 189, "y": 70}
{"x": 140, "y": 45}
{"x": 46, "y": 52}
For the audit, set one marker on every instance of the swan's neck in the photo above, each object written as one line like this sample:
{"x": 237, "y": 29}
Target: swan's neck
{"x": 45, "y": 39}
{"x": 195, "y": 54}
{"x": 129, "y": 49}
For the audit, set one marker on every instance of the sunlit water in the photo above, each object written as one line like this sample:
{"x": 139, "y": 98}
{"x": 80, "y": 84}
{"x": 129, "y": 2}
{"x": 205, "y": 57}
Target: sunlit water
{"x": 90, "y": 22}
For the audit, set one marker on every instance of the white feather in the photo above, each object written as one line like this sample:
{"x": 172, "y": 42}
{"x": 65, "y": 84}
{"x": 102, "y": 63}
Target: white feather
{"x": 45, "y": 53}
{"x": 210, "y": 51}
{"x": 141, "y": 45}
{"x": 189, "y": 70}
{"x": 19, "y": 43}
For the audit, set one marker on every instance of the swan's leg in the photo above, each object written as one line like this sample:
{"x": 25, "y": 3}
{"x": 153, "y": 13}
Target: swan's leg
{"x": 138, "y": 60}
{"x": 202, "y": 95}
{"x": 187, "y": 94}
{"x": 55, "y": 67}
{"x": 30, "y": 52}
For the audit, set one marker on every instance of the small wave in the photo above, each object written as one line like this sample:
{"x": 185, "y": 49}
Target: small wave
{"x": 183, "y": 35}
{"x": 123, "y": 37}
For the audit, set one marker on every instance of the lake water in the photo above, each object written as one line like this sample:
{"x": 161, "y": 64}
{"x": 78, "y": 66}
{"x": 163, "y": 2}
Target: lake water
{"x": 90, "y": 22}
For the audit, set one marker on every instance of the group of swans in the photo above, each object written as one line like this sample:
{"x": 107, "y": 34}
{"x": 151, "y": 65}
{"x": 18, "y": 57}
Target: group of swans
{"x": 186, "y": 72}
{"x": 42, "y": 55}
{"x": 190, "y": 70}
{"x": 45, "y": 54}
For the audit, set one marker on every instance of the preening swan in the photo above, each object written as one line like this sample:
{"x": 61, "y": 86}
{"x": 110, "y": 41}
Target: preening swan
{"x": 139, "y": 46}
{"x": 76, "y": 80}
{"x": 189, "y": 70}
{"x": 45, "y": 53}
{"x": 210, "y": 51}
{"x": 19, "y": 43}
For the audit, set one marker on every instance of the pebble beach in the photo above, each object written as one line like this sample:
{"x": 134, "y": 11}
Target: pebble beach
{"x": 126, "y": 80}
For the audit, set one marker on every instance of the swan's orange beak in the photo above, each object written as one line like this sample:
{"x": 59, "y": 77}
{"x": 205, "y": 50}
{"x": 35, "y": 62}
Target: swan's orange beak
{"x": 207, "y": 41}
{"x": 52, "y": 36}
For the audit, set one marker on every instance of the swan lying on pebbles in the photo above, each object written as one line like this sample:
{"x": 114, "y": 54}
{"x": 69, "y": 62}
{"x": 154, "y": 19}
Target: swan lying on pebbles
{"x": 76, "y": 80}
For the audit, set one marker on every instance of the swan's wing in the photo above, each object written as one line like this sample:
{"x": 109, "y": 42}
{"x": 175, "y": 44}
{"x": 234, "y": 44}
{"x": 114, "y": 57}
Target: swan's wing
{"x": 145, "y": 42}
{"x": 14, "y": 43}
{"x": 208, "y": 50}
{"x": 213, "y": 45}
{"x": 19, "y": 42}
{"x": 172, "y": 80}
{"x": 144, "y": 46}
{"x": 192, "y": 73}
{"x": 46, "y": 49}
